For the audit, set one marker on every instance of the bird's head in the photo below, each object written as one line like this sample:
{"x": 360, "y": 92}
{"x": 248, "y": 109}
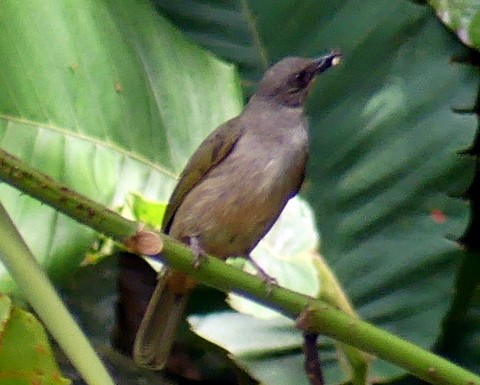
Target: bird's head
{"x": 288, "y": 81}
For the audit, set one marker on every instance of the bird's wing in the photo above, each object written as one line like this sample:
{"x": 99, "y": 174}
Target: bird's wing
{"x": 301, "y": 179}
{"x": 210, "y": 153}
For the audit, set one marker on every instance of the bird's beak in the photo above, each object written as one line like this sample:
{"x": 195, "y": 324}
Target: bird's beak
{"x": 325, "y": 62}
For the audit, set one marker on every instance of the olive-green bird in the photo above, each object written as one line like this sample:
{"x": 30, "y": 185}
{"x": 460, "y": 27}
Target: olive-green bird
{"x": 233, "y": 189}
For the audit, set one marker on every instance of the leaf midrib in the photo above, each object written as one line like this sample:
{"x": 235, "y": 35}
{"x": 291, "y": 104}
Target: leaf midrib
{"x": 108, "y": 145}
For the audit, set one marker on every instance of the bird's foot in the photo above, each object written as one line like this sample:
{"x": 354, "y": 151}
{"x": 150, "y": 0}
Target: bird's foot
{"x": 199, "y": 254}
{"x": 270, "y": 281}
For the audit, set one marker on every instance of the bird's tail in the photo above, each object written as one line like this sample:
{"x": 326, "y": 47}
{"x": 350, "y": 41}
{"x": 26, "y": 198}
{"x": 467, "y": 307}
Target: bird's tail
{"x": 156, "y": 334}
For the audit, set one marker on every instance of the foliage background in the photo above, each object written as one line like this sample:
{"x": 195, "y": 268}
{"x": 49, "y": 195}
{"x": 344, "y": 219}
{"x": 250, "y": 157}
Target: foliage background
{"x": 109, "y": 97}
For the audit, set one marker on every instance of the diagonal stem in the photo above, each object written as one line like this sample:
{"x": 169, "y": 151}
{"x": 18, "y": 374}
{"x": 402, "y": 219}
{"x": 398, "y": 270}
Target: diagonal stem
{"x": 322, "y": 317}
{"x": 41, "y": 294}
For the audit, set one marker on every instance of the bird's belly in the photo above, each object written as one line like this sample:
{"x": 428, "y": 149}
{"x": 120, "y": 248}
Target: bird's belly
{"x": 231, "y": 210}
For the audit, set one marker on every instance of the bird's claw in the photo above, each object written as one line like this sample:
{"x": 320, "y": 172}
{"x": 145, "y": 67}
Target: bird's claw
{"x": 199, "y": 254}
{"x": 269, "y": 281}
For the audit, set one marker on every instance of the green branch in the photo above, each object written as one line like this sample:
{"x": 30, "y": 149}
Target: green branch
{"x": 60, "y": 197}
{"x": 320, "y": 316}
{"x": 41, "y": 294}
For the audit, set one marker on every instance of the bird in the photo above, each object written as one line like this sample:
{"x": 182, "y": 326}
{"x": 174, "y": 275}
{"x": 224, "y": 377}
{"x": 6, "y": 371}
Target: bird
{"x": 232, "y": 190}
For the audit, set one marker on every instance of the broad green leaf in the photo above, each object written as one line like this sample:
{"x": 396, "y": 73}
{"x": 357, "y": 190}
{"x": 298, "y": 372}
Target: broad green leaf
{"x": 461, "y": 16}
{"x": 386, "y": 159}
{"x": 270, "y": 351}
{"x": 386, "y": 169}
{"x": 25, "y": 350}
{"x": 147, "y": 211}
{"x": 107, "y": 97}
{"x": 385, "y": 140}
{"x": 227, "y": 28}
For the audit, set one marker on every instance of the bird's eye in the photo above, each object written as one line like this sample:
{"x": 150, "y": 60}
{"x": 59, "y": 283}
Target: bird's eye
{"x": 304, "y": 78}
{"x": 301, "y": 80}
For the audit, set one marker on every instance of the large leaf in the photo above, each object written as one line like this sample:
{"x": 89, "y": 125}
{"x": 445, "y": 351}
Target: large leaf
{"x": 463, "y": 17}
{"x": 269, "y": 349}
{"x": 385, "y": 140}
{"x": 23, "y": 336}
{"x": 227, "y": 28}
{"x": 107, "y": 97}
{"x": 386, "y": 171}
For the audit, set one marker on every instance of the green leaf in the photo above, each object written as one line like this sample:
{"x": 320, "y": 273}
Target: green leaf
{"x": 228, "y": 29}
{"x": 386, "y": 168}
{"x": 43, "y": 298}
{"x": 462, "y": 17}
{"x": 26, "y": 356}
{"x": 385, "y": 151}
{"x": 107, "y": 97}
{"x": 268, "y": 349}
{"x": 5, "y": 310}
{"x": 148, "y": 211}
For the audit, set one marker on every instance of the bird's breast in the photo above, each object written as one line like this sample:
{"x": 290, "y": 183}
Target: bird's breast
{"x": 239, "y": 199}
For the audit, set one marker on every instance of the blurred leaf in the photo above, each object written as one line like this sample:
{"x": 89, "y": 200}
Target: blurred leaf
{"x": 462, "y": 17}
{"x": 5, "y": 310}
{"x": 227, "y": 28}
{"x": 385, "y": 143}
{"x": 385, "y": 158}
{"x": 148, "y": 211}
{"x": 25, "y": 354}
{"x": 385, "y": 169}
{"x": 117, "y": 105}
{"x": 270, "y": 350}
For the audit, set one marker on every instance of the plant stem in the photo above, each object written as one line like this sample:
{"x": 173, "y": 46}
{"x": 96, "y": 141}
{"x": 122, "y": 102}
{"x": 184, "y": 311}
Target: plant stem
{"x": 325, "y": 319}
{"x": 321, "y": 317}
{"x": 60, "y": 197}
{"x": 40, "y": 293}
